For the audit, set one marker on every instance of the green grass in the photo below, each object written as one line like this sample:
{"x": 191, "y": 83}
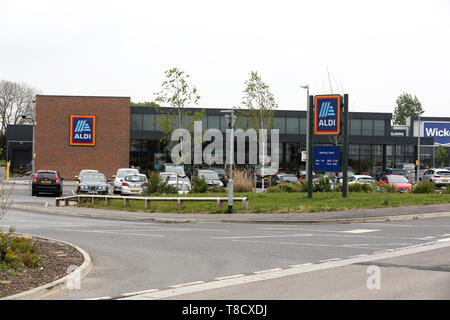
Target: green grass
{"x": 285, "y": 202}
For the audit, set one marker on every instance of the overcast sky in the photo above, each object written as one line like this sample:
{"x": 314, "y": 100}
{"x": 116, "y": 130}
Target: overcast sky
{"x": 374, "y": 51}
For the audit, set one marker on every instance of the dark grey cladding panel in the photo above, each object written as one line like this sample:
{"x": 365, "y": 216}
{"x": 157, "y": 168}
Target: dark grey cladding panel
{"x": 19, "y": 133}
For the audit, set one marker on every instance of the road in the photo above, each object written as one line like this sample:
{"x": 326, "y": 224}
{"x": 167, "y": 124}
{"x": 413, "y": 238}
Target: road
{"x": 138, "y": 256}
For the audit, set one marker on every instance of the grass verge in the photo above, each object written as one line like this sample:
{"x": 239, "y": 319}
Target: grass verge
{"x": 284, "y": 202}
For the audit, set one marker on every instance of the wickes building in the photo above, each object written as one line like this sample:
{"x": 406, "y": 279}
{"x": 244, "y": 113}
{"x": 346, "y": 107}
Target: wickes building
{"x": 106, "y": 133}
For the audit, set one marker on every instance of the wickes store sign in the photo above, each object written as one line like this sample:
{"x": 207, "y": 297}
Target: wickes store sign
{"x": 439, "y": 131}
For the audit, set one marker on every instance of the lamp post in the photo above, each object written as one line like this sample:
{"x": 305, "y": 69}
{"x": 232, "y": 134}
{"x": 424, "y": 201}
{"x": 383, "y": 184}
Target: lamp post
{"x": 308, "y": 120}
{"x": 418, "y": 148}
{"x": 230, "y": 119}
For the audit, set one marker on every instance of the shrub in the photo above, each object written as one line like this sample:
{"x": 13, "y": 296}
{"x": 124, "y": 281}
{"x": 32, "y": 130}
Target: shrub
{"x": 242, "y": 181}
{"x": 199, "y": 185}
{"x": 322, "y": 185}
{"x": 355, "y": 187}
{"x": 423, "y": 187}
{"x": 155, "y": 185}
{"x": 216, "y": 189}
{"x": 446, "y": 190}
{"x": 286, "y": 187}
{"x": 29, "y": 259}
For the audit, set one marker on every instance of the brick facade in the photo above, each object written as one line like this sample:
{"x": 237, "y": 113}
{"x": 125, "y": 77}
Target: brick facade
{"x": 112, "y": 134}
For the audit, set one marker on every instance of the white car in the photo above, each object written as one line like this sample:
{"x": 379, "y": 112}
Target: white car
{"x": 440, "y": 177}
{"x": 118, "y": 177}
{"x": 134, "y": 184}
{"x": 179, "y": 186}
{"x": 360, "y": 179}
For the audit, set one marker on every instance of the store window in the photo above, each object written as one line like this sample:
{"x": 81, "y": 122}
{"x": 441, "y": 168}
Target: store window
{"x": 214, "y": 122}
{"x": 367, "y": 127}
{"x": 292, "y": 125}
{"x": 148, "y": 122}
{"x": 136, "y": 122}
{"x": 355, "y": 127}
{"x": 280, "y": 124}
{"x": 302, "y": 125}
{"x": 378, "y": 127}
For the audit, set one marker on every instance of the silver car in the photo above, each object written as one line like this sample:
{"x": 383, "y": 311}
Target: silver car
{"x": 93, "y": 183}
{"x": 134, "y": 184}
{"x": 440, "y": 177}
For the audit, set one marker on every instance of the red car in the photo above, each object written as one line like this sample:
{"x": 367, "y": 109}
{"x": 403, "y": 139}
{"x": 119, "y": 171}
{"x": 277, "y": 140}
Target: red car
{"x": 400, "y": 182}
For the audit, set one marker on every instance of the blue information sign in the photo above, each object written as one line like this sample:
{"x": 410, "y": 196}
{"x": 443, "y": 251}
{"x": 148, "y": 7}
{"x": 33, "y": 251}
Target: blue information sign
{"x": 439, "y": 131}
{"x": 326, "y": 158}
{"x": 326, "y": 115}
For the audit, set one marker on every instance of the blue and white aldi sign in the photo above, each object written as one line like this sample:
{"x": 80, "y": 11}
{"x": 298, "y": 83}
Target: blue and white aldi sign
{"x": 439, "y": 131}
{"x": 326, "y": 115}
{"x": 82, "y": 130}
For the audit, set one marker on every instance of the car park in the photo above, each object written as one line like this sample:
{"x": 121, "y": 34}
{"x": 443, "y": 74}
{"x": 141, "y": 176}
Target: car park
{"x": 47, "y": 181}
{"x": 400, "y": 182}
{"x": 118, "y": 177}
{"x": 360, "y": 179}
{"x": 222, "y": 175}
{"x": 211, "y": 177}
{"x": 173, "y": 178}
{"x": 440, "y": 177}
{"x": 134, "y": 184}
{"x": 182, "y": 187}
{"x": 93, "y": 183}
{"x": 78, "y": 177}
{"x": 170, "y": 167}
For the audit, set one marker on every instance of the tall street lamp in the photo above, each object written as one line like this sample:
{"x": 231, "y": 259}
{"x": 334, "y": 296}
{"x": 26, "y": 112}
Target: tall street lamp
{"x": 308, "y": 120}
{"x": 418, "y": 147}
{"x": 230, "y": 119}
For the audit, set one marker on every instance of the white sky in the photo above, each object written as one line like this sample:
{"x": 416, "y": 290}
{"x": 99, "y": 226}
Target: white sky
{"x": 374, "y": 51}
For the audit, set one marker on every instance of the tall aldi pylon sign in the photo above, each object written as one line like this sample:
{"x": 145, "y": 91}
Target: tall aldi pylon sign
{"x": 82, "y": 130}
{"x": 328, "y": 115}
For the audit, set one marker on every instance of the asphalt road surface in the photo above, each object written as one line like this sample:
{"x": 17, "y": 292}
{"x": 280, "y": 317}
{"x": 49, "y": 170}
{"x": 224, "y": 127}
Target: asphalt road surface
{"x": 134, "y": 256}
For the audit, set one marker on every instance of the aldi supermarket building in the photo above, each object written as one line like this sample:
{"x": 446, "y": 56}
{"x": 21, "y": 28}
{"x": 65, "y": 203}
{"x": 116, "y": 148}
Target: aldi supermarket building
{"x": 106, "y": 133}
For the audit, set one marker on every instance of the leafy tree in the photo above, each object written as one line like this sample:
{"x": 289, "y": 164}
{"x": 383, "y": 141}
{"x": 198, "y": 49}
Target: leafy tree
{"x": 407, "y": 106}
{"x": 16, "y": 99}
{"x": 441, "y": 156}
{"x": 178, "y": 93}
{"x": 259, "y": 104}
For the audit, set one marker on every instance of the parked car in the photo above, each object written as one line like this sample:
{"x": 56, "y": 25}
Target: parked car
{"x": 265, "y": 174}
{"x": 440, "y": 177}
{"x": 222, "y": 175}
{"x": 118, "y": 177}
{"x": 360, "y": 179}
{"x": 211, "y": 177}
{"x": 94, "y": 183}
{"x": 170, "y": 167}
{"x": 134, "y": 184}
{"x": 282, "y": 178}
{"x": 179, "y": 186}
{"x": 78, "y": 177}
{"x": 400, "y": 182}
{"x": 47, "y": 181}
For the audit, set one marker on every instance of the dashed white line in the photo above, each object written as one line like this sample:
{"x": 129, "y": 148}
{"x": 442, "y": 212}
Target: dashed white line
{"x": 301, "y": 265}
{"x": 329, "y": 260}
{"x": 360, "y": 231}
{"x": 268, "y": 270}
{"x": 229, "y": 277}
{"x": 187, "y": 284}
{"x": 444, "y": 240}
{"x": 129, "y": 294}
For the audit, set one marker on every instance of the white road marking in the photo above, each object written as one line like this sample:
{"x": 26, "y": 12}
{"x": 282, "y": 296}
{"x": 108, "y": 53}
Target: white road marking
{"x": 269, "y": 270}
{"x": 271, "y": 236}
{"x": 187, "y": 284}
{"x": 300, "y": 265}
{"x": 230, "y": 277}
{"x": 129, "y": 294}
{"x": 124, "y": 233}
{"x": 329, "y": 260}
{"x": 198, "y": 287}
{"x": 100, "y": 298}
{"x": 444, "y": 240}
{"x": 360, "y": 230}
{"x": 427, "y": 238}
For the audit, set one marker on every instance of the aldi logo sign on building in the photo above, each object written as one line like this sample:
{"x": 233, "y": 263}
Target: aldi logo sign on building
{"x": 82, "y": 130}
{"x": 326, "y": 115}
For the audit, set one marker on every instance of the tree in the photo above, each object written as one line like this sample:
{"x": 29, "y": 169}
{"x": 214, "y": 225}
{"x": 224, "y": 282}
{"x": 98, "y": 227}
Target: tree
{"x": 16, "y": 99}
{"x": 442, "y": 156}
{"x": 178, "y": 93}
{"x": 407, "y": 106}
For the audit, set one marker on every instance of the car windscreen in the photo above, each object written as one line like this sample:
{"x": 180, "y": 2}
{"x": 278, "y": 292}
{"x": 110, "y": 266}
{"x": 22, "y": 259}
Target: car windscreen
{"x": 174, "y": 178}
{"x": 46, "y": 175}
{"x": 267, "y": 171}
{"x": 135, "y": 178}
{"x": 175, "y": 169}
{"x": 123, "y": 173}
{"x": 398, "y": 180}
{"x": 93, "y": 178}
{"x": 219, "y": 171}
{"x": 365, "y": 180}
{"x": 443, "y": 173}
{"x": 399, "y": 172}
{"x": 208, "y": 175}
{"x": 292, "y": 179}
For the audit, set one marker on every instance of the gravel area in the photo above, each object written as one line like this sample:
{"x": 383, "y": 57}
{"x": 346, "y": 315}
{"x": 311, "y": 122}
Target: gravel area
{"x": 54, "y": 260}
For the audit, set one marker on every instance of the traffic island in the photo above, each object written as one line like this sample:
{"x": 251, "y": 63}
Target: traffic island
{"x": 33, "y": 267}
